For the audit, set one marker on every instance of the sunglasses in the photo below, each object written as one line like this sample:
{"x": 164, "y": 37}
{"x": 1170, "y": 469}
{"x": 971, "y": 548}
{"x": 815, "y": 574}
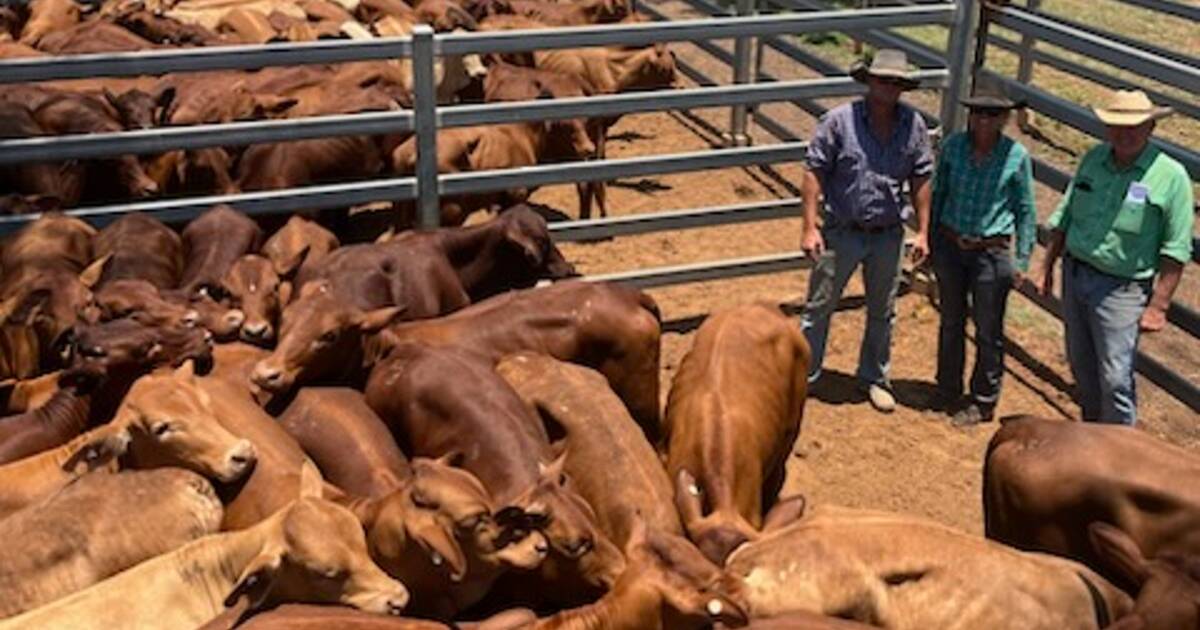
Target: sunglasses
{"x": 989, "y": 113}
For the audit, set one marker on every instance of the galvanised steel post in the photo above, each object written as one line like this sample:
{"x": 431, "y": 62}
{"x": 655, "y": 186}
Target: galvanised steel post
{"x": 425, "y": 122}
{"x": 1025, "y": 67}
{"x": 959, "y": 60}
{"x": 742, "y": 63}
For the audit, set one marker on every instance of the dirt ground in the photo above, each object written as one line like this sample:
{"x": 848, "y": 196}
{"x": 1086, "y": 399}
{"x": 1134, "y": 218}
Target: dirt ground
{"x": 912, "y": 460}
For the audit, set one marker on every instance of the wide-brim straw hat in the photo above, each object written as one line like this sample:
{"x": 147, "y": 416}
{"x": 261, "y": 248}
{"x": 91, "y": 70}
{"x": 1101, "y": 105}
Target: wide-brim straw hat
{"x": 1129, "y": 108}
{"x": 888, "y": 63}
{"x": 990, "y": 94}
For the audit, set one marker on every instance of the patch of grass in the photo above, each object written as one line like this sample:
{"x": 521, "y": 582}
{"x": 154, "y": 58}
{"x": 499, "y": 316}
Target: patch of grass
{"x": 1027, "y": 316}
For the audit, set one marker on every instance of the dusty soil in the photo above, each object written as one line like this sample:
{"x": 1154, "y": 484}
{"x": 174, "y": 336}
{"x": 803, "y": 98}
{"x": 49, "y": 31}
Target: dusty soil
{"x": 911, "y": 461}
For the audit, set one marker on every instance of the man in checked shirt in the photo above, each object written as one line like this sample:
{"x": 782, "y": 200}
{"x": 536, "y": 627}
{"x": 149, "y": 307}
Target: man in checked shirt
{"x": 982, "y": 202}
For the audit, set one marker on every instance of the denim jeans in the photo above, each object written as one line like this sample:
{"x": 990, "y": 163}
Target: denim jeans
{"x": 1101, "y": 314}
{"x": 879, "y": 254}
{"x": 983, "y": 279}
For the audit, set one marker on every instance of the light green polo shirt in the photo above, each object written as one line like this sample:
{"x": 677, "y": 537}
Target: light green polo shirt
{"x": 1122, "y": 221}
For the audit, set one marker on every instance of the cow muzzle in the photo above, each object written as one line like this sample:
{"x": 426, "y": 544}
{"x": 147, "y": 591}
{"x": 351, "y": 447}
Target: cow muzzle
{"x": 239, "y": 461}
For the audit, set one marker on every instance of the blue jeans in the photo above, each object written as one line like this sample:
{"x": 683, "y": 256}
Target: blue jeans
{"x": 1101, "y": 314}
{"x": 986, "y": 276}
{"x": 879, "y": 254}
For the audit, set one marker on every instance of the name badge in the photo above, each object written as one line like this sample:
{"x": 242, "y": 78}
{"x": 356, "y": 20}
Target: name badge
{"x": 1137, "y": 193}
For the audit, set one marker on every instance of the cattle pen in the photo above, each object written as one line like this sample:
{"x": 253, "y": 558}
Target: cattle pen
{"x": 754, "y": 31}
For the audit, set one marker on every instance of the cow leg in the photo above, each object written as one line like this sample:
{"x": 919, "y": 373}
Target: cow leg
{"x": 584, "y": 190}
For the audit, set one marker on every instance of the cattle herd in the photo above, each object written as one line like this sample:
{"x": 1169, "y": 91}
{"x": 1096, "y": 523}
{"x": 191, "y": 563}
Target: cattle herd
{"x": 248, "y": 423}
{"x": 66, "y": 27}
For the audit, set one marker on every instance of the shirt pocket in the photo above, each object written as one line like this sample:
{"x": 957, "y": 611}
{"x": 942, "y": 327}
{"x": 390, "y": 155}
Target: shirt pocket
{"x": 1131, "y": 218}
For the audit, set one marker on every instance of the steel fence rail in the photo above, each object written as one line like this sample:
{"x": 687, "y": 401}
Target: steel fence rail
{"x": 1127, "y": 57}
{"x": 163, "y": 139}
{"x": 689, "y": 30}
{"x": 1177, "y": 9}
{"x": 711, "y": 270}
{"x": 244, "y": 57}
{"x": 638, "y": 224}
{"x": 1115, "y": 38}
{"x": 1182, "y": 106}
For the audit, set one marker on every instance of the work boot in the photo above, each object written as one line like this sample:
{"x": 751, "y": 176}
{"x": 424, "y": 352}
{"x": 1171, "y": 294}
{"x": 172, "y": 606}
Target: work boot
{"x": 974, "y": 414}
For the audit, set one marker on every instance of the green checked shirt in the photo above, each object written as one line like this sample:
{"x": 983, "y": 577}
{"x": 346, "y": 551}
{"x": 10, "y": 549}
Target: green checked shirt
{"x": 1122, "y": 221}
{"x": 987, "y": 199}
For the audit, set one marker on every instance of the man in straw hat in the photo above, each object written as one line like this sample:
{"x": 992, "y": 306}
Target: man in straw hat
{"x": 982, "y": 203}
{"x": 1126, "y": 218}
{"x": 859, "y": 159}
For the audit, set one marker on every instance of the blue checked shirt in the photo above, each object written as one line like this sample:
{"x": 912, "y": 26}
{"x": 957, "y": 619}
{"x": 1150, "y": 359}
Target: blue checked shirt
{"x": 989, "y": 199}
{"x": 860, "y": 177}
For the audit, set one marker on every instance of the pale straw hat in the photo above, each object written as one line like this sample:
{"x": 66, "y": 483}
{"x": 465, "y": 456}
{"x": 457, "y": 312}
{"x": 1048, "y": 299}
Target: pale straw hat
{"x": 888, "y": 63}
{"x": 1129, "y": 108}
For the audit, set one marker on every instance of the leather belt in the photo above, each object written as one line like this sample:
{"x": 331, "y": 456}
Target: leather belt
{"x": 870, "y": 229}
{"x": 975, "y": 243}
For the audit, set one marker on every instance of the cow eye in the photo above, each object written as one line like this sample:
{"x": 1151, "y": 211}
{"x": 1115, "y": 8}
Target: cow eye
{"x": 161, "y": 429}
{"x": 92, "y": 352}
{"x": 328, "y": 336}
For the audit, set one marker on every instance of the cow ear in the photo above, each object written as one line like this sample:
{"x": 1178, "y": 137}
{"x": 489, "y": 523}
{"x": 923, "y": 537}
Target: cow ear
{"x": 256, "y": 580}
{"x": 556, "y": 470}
{"x": 1119, "y": 552}
{"x": 373, "y": 321}
{"x": 105, "y": 446}
{"x": 265, "y": 105}
{"x": 111, "y": 98}
{"x": 785, "y": 512}
{"x": 165, "y": 99}
{"x": 452, "y": 459}
{"x": 387, "y": 235}
{"x": 311, "y": 483}
{"x": 687, "y": 498}
{"x": 91, "y": 275}
{"x": 285, "y": 293}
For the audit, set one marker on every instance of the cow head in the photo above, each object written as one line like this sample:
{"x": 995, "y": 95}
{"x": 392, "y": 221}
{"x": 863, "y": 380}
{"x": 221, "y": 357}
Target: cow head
{"x": 167, "y": 420}
{"x": 607, "y": 11}
{"x": 123, "y": 346}
{"x": 52, "y": 302}
{"x": 1168, "y": 587}
{"x": 650, "y": 68}
{"x": 139, "y": 110}
{"x": 315, "y": 552}
{"x": 253, "y": 284}
{"x": 570, "y": 527}
{"x": 140, "y": 300}
{"x": 716, "y": 534}
{"x": 300, "y": 240}
{"x": 694, "y": 592}
{"x": 440, "y": 508}
{"x": 536, "y": 256}
{"x": 318, "y": 333}
{"x": 445, "y": 16}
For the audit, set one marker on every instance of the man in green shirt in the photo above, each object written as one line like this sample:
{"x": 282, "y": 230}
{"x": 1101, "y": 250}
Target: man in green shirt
{"x": 1127, "y": 217}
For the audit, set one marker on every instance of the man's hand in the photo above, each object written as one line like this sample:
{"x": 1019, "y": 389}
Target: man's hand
{"x": 1018, "y": 278}
{"x": 1046, "y": 282}
{"x": 1154, "y": 319}
{"x": 920, "y": 248}
{"x": 812, "y": 243}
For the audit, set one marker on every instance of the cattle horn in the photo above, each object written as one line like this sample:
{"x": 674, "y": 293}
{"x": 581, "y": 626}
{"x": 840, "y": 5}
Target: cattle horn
{"x": 687, "y": 498}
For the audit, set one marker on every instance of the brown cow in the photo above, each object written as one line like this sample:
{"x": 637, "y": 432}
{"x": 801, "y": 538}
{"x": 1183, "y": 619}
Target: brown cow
{"x": 98, "y": 527}
{"x": 140, "y": 247}
{"x": 142, "y": 301}
{"x": 440, "y": 401}
{"x": 93, "y": 36}
{"x": 1168, "y": 587}
{"x": 308, "y": 162}
{"x": 212, "y": 242}
{"x": 165, "y": 420}
{"x": 578, "y": 13}
{"x": 346, "y": 439}
{"x": 901, "y": 572}
{"x": 309, "y": 551}
{"x": 611, "y": 464}
{"x": 733, "y": 414}
{"x": 195, "y": 171}
{"x": 217, "y": 97}
{"x": 504, "y": 146}
{"x": 166, "y": 31}
{"x": 48, "y": 16}
{"x": 62, "y": 182}
{"x": 1045, "y": 482}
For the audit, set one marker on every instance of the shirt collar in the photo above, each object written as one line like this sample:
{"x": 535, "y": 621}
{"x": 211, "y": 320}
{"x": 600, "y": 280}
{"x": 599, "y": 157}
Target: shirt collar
{"x": 1142, "y": 163}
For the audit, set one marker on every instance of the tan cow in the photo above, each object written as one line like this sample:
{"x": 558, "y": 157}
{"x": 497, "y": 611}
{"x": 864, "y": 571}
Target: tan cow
{"x": 164, "y": 420}
{"x": 732, "y": 416}
{"x": 309, "y": 551}
{"x": 47, "y": 16}
{"x": 98, "y": 527}
{"x": 903, "y": 572}
{"x": 301, "y": 240}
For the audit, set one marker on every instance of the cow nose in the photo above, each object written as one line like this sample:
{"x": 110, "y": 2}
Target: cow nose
{"x": 234, "y": 318}
{"x": 541, "y": 547}
{"x": 265, "y": 375}
{"x": 396, "y": 606}
{"x": 191, "y": 318}
{"x": 577, "y": 548}
{"x": 242, "y": 457}
{"x": 256, "y": 331}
